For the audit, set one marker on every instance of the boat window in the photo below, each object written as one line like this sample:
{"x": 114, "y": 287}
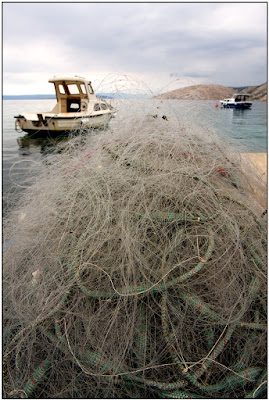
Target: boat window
{"x": 103, "y": 106}
{"x": 73, "y": 105}
{"x": 97, "y": 107}
{"x": 90, "y": 89}
{"x": 73, "y": 88}
{"x": 61, "y": 89}
{"x": 83, "y": 88}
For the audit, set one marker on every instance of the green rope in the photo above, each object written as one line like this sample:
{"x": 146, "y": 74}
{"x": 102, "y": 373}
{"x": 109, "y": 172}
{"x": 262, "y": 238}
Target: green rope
{"x": 232, "y": 381}
{"x": 260, "y": 388}
{"x": 101, "y": 365}
{"x": 179, "y": 394}
{"x": 37, "y": 377}
{"x": 141, "y": 337}
{"x": 143, "y": 290}
{"x": 235, "y": 381}
{"x": 23, "y": 332}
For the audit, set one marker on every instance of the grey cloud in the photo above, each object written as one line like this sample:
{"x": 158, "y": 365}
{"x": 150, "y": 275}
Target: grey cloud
{"x": 136, "y": 37}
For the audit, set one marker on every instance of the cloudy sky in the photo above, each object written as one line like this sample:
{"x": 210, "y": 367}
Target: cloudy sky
{"x": 160, "y": 46}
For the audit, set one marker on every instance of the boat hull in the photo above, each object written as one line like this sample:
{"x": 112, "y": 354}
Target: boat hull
{"x": 241, "y": 106}
{"x": 57, "y": 125}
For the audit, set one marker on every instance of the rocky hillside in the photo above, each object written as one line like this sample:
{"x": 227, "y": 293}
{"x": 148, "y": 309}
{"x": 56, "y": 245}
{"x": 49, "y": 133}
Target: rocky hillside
{"x": 214, "y": 92}
{"x": 257, "y": 92}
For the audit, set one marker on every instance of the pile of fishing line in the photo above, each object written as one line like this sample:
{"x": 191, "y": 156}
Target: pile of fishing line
{"x": 135, "y": 268}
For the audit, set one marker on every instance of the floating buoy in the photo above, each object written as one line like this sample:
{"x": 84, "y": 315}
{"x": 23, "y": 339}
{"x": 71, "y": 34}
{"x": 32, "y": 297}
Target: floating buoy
{"x": 216, "y": 105}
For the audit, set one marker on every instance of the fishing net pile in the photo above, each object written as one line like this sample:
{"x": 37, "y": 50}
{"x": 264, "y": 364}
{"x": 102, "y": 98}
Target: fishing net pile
{"x": 135, "y": 268}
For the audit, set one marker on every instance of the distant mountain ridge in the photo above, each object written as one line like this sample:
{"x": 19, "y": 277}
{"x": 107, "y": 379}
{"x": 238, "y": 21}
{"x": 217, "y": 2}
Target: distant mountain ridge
{"x": 29, "y": 97}
{"x": 53, "y": 96}
{"x": 197, "y": 92}
{"x": 214, "y": 92}
{"x": 257, "y": 92}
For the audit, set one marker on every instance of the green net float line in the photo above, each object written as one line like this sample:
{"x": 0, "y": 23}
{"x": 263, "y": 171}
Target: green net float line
{"x": 181, "y": 368}
{"x": 143, "y": 290}
{"x": 36, "y": 378}
{"x": 6, "y": 380}
{"x": 232, "y": 381}
{"x": 254, "y": 292}
{"x": 27, "y": 330}
{"x": 221, "y": 345}
{"x": 260, "y": 389}
{"x": 180, "y": 394}
{"x": 94, "y": 359}
{"x": 20, "y": 335}
{"x": 255, "y": 256}
{"x": 244, "y": 357}
{"x": 235, "y": 381}
{"x": 252, "y": 325}
{"x": 215, "y": 353}
{"x": 209, "y": 340}
{"x": 177, "y": 217}
{"x": 87, "y": 356}
{"x": 6, "y": 334}
{"x": 9, "y": 383}
{"x": 257, "y": 317}
{"x": 210, "y": 336}
{"x": 254, "y": 287}
{"x": 161, "y": 386}
{"x": 99, "y": 362}
{"x": 209, "y": 333}
{"x": 136, "y": 389}
{"x": 199, "y": 305}
{"x": 141, "y": 337}
{"x": 159, "y": 216}
{"x": 193, "y": 378}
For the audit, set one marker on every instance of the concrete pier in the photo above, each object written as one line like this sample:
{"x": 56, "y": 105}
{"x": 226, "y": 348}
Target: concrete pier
{"x": 255, "y": 167}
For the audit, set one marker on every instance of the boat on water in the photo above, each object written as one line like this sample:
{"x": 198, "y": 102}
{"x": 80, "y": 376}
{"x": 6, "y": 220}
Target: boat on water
{"x": 77, "y": 108}
{"x": 237, "y": 101}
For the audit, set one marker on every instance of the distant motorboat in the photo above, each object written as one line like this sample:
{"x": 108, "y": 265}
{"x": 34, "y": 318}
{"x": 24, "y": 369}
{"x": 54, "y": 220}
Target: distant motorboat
{"x": 237, "y": 101}
{"x": 77, "y": 108}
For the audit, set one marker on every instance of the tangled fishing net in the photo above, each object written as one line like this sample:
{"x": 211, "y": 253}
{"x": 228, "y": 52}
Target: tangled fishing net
{"x": 135, "y": 267}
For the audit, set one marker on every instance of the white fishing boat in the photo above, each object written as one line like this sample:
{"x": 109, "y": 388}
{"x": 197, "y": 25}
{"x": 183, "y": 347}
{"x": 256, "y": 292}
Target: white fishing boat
{"x": 237, "y": 101}
{"x": 77, "y": 108}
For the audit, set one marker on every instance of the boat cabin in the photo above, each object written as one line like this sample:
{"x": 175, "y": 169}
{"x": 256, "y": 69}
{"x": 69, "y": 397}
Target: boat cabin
{"x": 73, "y": 94}
{"x": 241, "y": 97}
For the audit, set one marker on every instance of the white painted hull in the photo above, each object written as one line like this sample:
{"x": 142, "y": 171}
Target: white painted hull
{"x": 60, "y": 123}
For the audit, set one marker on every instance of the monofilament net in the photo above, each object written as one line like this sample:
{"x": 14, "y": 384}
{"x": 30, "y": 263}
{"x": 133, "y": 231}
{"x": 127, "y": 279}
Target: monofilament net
{"x": 135, "y": 267}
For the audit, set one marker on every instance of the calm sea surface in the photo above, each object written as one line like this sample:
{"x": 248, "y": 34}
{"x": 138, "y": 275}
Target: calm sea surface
{"x": 245, "y": 129}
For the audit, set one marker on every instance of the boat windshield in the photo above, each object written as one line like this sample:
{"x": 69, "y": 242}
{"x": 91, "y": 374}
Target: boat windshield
{"x": 240, "y": 97}
{"x": 72, "y": 88}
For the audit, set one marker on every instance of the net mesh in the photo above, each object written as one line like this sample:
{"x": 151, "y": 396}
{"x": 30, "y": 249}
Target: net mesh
{"x": 134, "y": 266}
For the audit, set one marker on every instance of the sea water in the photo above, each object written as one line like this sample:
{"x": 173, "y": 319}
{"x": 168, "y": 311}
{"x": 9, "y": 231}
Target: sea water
{"x": 245, "y": 130}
